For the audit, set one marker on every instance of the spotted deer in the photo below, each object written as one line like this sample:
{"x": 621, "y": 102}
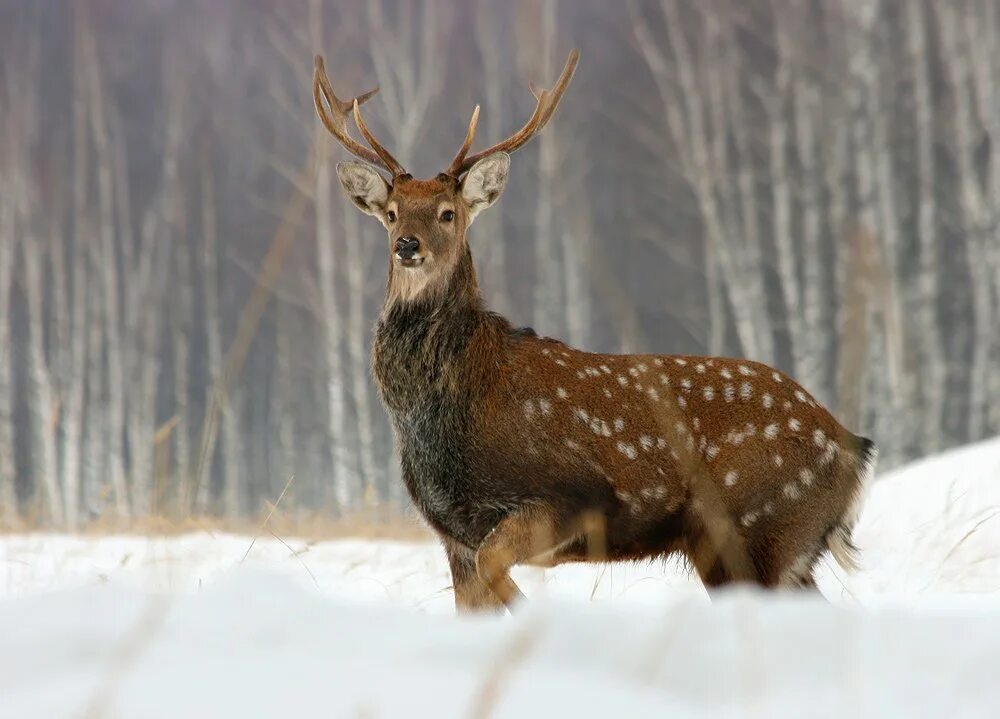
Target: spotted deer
{"x": 519, "y": 449}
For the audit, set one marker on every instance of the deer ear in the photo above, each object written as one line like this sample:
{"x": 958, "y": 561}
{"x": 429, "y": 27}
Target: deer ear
{"x": 484, "y": 182}
{"x": 364, "y": 186}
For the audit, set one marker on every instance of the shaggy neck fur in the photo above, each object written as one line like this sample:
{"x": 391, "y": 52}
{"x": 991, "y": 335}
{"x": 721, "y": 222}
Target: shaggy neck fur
{"x": 422, "y": 344}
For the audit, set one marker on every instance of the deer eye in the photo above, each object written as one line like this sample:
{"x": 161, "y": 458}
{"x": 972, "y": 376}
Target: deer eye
{"x": 390, "y": 216}
{"x": 447, "y": 216}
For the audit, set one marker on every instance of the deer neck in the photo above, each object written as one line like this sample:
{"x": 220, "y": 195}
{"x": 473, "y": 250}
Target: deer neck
{"x": 421, "y": 344}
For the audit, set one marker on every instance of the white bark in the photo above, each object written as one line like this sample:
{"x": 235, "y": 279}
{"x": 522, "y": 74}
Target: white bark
{"x": 956, "y": 54}
{"x": 115, "y": 426}
{"x": 932, "y": 366}
{"x": 8, "y": 489}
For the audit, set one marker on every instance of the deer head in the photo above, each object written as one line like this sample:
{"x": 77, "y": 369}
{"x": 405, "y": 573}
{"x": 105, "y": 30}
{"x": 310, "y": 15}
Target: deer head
{"x": 426, "y": 220}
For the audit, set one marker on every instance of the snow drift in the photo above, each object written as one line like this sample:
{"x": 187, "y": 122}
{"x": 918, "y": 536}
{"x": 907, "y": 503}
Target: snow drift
{"x": 182, "y": 627}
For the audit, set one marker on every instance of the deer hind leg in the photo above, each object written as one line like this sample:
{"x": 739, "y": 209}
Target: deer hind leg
{"x": 471, "y": 594}
{"x": 720, "y": 556}
{"x": 518, "y": 538}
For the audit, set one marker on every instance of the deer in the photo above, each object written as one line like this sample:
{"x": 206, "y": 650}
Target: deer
{"x": 518, "y": 449}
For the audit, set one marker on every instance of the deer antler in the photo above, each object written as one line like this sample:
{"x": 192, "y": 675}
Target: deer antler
{"x": 545, "y": 106}
{"x": 335, "y": 120}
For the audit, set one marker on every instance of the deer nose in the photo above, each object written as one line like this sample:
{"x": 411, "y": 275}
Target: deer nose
{"x": 406, "y": 247}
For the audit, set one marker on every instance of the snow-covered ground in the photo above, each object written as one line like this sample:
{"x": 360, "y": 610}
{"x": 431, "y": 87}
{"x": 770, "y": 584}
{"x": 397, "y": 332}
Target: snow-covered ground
{"x": 186, "y": 627}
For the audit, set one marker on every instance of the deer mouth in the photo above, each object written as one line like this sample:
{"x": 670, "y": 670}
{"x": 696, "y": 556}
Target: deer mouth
{"x": 410, "y": 262}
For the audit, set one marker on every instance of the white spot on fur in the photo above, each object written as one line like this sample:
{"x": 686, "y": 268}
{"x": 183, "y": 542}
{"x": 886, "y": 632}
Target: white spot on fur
{"x": 661, "y": 443}
{"x": 819, "y": 437}
{"x": 806, "y": 476}
{"x": 580, "y": 374}
{"x": 619, "y": 424}
{"x": 730, "y": 479}
{"x": 605, "y": 369}
{"x": 571, "y": 444}
{"x": 607, "y": 393}
{"x": 658, "y": 362}
{"x": 749, "y": 518}
{"x": 686, "y": 383}
{"x": 729, "y": 392}
{"x": 746, "y": 390}
{"x": 653, "y": 394}
{"x": 633, "y": 371}
{"x": 529, "y": 409}
{"x": 700, "y": 368}
{"x": 627, "y": 449}
{"x": 771, "y": 431}
{"x": 664, "y": 380}
{"x": 708, "y": 392}
{"x": 767, "y": 400}
{"x": 712, "y": 451}
{"x": 787, "y": 406}
{"x": 681, "y": 402}
{"x": 791, "y": 491}
{"x": 544, "y": 405}
{"x": 776, "y": 377}
{"x": 745, "y": 371}
{"x": 778, "y": 461}
{"x": 646, "y": 442}
{"x": 642, "y": 367}
{"x": 794, "y": 424}
{"x": 696, "y": 423}
{"x": 561, "y": 393}
{"x": 679, "y": 361}
{"x": 561, "y": 363}
{"x": 800, "y": 396}
{"x": 725, "y": 373}
{"x": 623, "y": 380}
{"x": 582, "y": 414}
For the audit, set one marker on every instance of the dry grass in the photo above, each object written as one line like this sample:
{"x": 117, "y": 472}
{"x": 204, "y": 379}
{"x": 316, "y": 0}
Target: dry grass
{"x": 370, "y": 524}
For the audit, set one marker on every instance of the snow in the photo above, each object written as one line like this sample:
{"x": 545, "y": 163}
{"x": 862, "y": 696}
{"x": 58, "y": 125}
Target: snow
{"x": 184, "y": 627}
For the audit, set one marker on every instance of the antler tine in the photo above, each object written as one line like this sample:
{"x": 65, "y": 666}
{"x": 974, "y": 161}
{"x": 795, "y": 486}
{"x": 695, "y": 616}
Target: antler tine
{"x": 470, "y": 134}
{"x": 546, "y": 102}
{"x": 384, "y": 157}
{"x": 334, "y": 112}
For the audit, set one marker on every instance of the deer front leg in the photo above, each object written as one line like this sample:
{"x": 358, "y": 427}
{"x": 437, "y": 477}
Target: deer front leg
{"x": 517, "y": 538}
{"x": 471, "y": 594}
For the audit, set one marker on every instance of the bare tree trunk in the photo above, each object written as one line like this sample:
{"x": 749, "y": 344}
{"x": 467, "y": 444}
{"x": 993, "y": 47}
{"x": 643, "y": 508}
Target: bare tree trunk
{"x": 75, "y": 375}
{"x": 956, "y": 54}
{"x": 115, "y": 426}
{"x": 357, "y": 345}
{"x": 814, "y": 345}
{"x": 8, "y": 480}
{"x": 492, "y": 254}
{"x": 932, "y": 363}
{"x": 548, "y": 268}
{"x": 44, "y": 460}
{"x": 213, "y": 326}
